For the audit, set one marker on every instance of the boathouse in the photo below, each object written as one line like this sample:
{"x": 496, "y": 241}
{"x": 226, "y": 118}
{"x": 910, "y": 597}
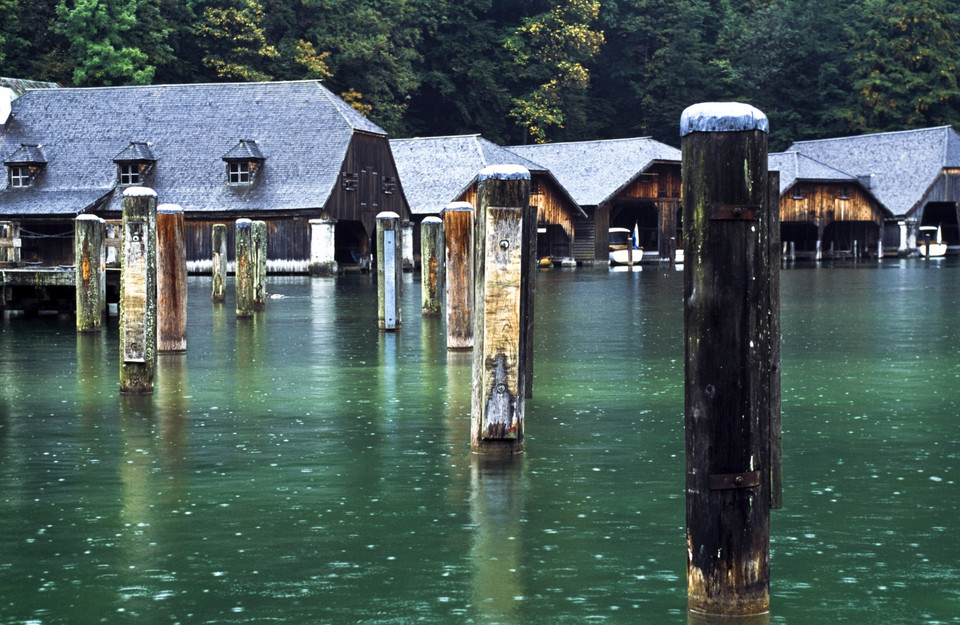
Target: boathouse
{"x": 824, "y": 212}
{"x": 628, "y": 183}
{"x": 914, "y": 174}
{"x": 439, "y": 170}
{"x": 289, "y": 153}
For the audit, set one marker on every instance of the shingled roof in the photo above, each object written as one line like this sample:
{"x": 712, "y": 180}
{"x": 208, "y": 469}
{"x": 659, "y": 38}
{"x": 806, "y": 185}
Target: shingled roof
{"x": 301, "y": 130}
{"x": 435, "y": 171}
{"x": 897, "y": 167}
{"x": 794, "y": 166}
{"x": 593, "y": 172}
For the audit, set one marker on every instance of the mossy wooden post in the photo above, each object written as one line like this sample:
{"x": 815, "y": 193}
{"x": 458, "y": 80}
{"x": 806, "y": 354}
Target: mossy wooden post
{"x": 259, "y": 254}
{"x": 171, "y": 280}
{"x": 499, "y": 394}
{"x": 458, "y": 267}
{"x": 431, "y": 266}
{"x": 138, "y": 291}
{"x": 726, "y": 212}
{"x": 772, "y": 272}
{"x": 219, "y": 241}
{"x": 389, "y": 270}
{"x": 245, "y": 268}
{"x": 90, "y": 256}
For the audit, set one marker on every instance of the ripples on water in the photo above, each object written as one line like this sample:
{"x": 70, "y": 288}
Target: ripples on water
{"x": 305, "y": 468}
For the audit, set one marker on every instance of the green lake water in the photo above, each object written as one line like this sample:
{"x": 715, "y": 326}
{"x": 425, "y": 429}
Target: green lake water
{"x": 303, "y": 468}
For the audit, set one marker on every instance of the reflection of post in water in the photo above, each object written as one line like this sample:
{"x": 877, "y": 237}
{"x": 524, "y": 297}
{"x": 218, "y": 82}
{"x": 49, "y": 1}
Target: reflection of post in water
{"x": 698, "y": 618}
{"x": 458, "y": 384}
{"x": 90, "y": 351}
{"x": 138, "y": 537}
{"x": 249, "y": 352}
{"x": 496, "y": 506}
{"x": 172, "y": 407}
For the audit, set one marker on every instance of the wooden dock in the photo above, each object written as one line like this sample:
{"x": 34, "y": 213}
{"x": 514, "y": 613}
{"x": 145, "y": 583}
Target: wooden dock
{"x": 32, "y": 289}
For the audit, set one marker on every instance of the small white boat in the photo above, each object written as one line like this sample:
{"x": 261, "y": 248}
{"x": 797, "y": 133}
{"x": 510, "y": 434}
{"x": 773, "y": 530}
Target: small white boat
{"x": 620, "y": 250}
{"x": 930, "y": 242}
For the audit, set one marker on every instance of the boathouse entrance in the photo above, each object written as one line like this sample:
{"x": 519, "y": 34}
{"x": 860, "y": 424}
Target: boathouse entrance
{"x": 944, "y": 215}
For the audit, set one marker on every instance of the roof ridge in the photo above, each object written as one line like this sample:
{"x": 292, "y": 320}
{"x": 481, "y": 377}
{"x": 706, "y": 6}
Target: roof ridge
{"x": 461, "y": 136}
{"x": 528, "y": 145}
{"x": 875, "y": 134}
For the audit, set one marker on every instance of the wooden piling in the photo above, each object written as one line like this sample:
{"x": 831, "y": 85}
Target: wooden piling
{"x": 259, "y": 254}
{"x": 138, "y": 291}
{"x": 431, "y": 266}
{"x": 171, "y": 280}
{"x": 219, "y": 241}
{"x": 90, "y": 255}
{"x": 499, "y": 393}
{"x": 726, "y": 208}
{"x": 389, "y": 270}
{"x": 245, "y": 267}
{"x": 323, "y": 247}
{"x": 458, "y": 267}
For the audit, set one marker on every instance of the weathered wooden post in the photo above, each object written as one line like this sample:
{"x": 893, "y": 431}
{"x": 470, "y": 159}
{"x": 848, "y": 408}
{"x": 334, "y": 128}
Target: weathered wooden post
{"x": 458, "y": 268}
{"x": 528, "y": 291}
{"x": 90, "y": 255}
{"x": 259, "y": 254}
{"x": 219, "y": 243}
{"x": 138, "y": 291}
{"x": 727, "y": 332}
{"x": 499, "y": 393}
{"x": 431, "y": 266}
{"x": 171, "y": 280}
{"x": 323, "y": 247}
{"x": 406, "y": 245}
{"x": 245, "y": 271}
{"x": 389, "y": 270}
{"x": 630, "y": 251}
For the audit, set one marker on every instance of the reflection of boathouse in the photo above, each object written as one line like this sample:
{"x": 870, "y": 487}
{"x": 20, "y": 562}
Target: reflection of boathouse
{"x": 289, "y": 153}
{"x": 629, "y": 183}
{"x": 913, "y": 174}
{"x": 436, "y": 171}
{"x": 824, "y": 212}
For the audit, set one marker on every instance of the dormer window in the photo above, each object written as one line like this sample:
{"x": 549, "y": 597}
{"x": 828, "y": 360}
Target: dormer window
{"x": 244, "y": 162}
{"x": 25, "y": 165}
{"x": 134, "y": 163}
{"x": 129, "y": 173}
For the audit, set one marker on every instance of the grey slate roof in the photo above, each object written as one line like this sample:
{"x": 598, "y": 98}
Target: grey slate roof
{"x": 899, "y": 166}
{"x": 26, "y": 155}
{"x": 794, "y": 166}
{"x": 593, "y": 172}
{"x": 302, "y": 130}
{"x": 435, "y": 171}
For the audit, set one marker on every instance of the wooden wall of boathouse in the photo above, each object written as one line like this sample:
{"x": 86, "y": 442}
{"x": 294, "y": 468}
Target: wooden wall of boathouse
{"x": 838, "y": 214}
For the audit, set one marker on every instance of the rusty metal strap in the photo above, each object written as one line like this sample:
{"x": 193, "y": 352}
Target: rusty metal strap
{"x": 724, "y": 481}
{"x": 735, "y": 212}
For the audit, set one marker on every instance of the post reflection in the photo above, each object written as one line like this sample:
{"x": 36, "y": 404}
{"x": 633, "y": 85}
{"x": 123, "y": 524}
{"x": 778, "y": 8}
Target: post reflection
{"x": 699, "y": 618}
{"x": 497, "y": 488}
{"x": 172, "y": 408}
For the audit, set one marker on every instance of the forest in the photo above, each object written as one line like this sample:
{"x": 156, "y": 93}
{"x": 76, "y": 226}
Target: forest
{"x": 520, "y": 71}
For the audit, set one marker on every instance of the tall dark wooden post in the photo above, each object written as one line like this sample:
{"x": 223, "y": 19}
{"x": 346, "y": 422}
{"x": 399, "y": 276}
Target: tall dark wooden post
{"x": 458, "y": 264}
{"x": 259, "y": 254}
{"x": 245, "y": 272}
{"x": 431, "y": 266}
{"x": 727, "y": 336}
{"x": 138, "y": 291}
{"x": 499, "y": 394}
{"x": 171, "y": 280}
{"x": 91, "y": 272}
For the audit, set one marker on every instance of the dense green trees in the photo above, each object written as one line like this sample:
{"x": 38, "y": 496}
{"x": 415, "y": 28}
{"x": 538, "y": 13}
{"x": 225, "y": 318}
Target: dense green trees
{"x": 518, "y": 70}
